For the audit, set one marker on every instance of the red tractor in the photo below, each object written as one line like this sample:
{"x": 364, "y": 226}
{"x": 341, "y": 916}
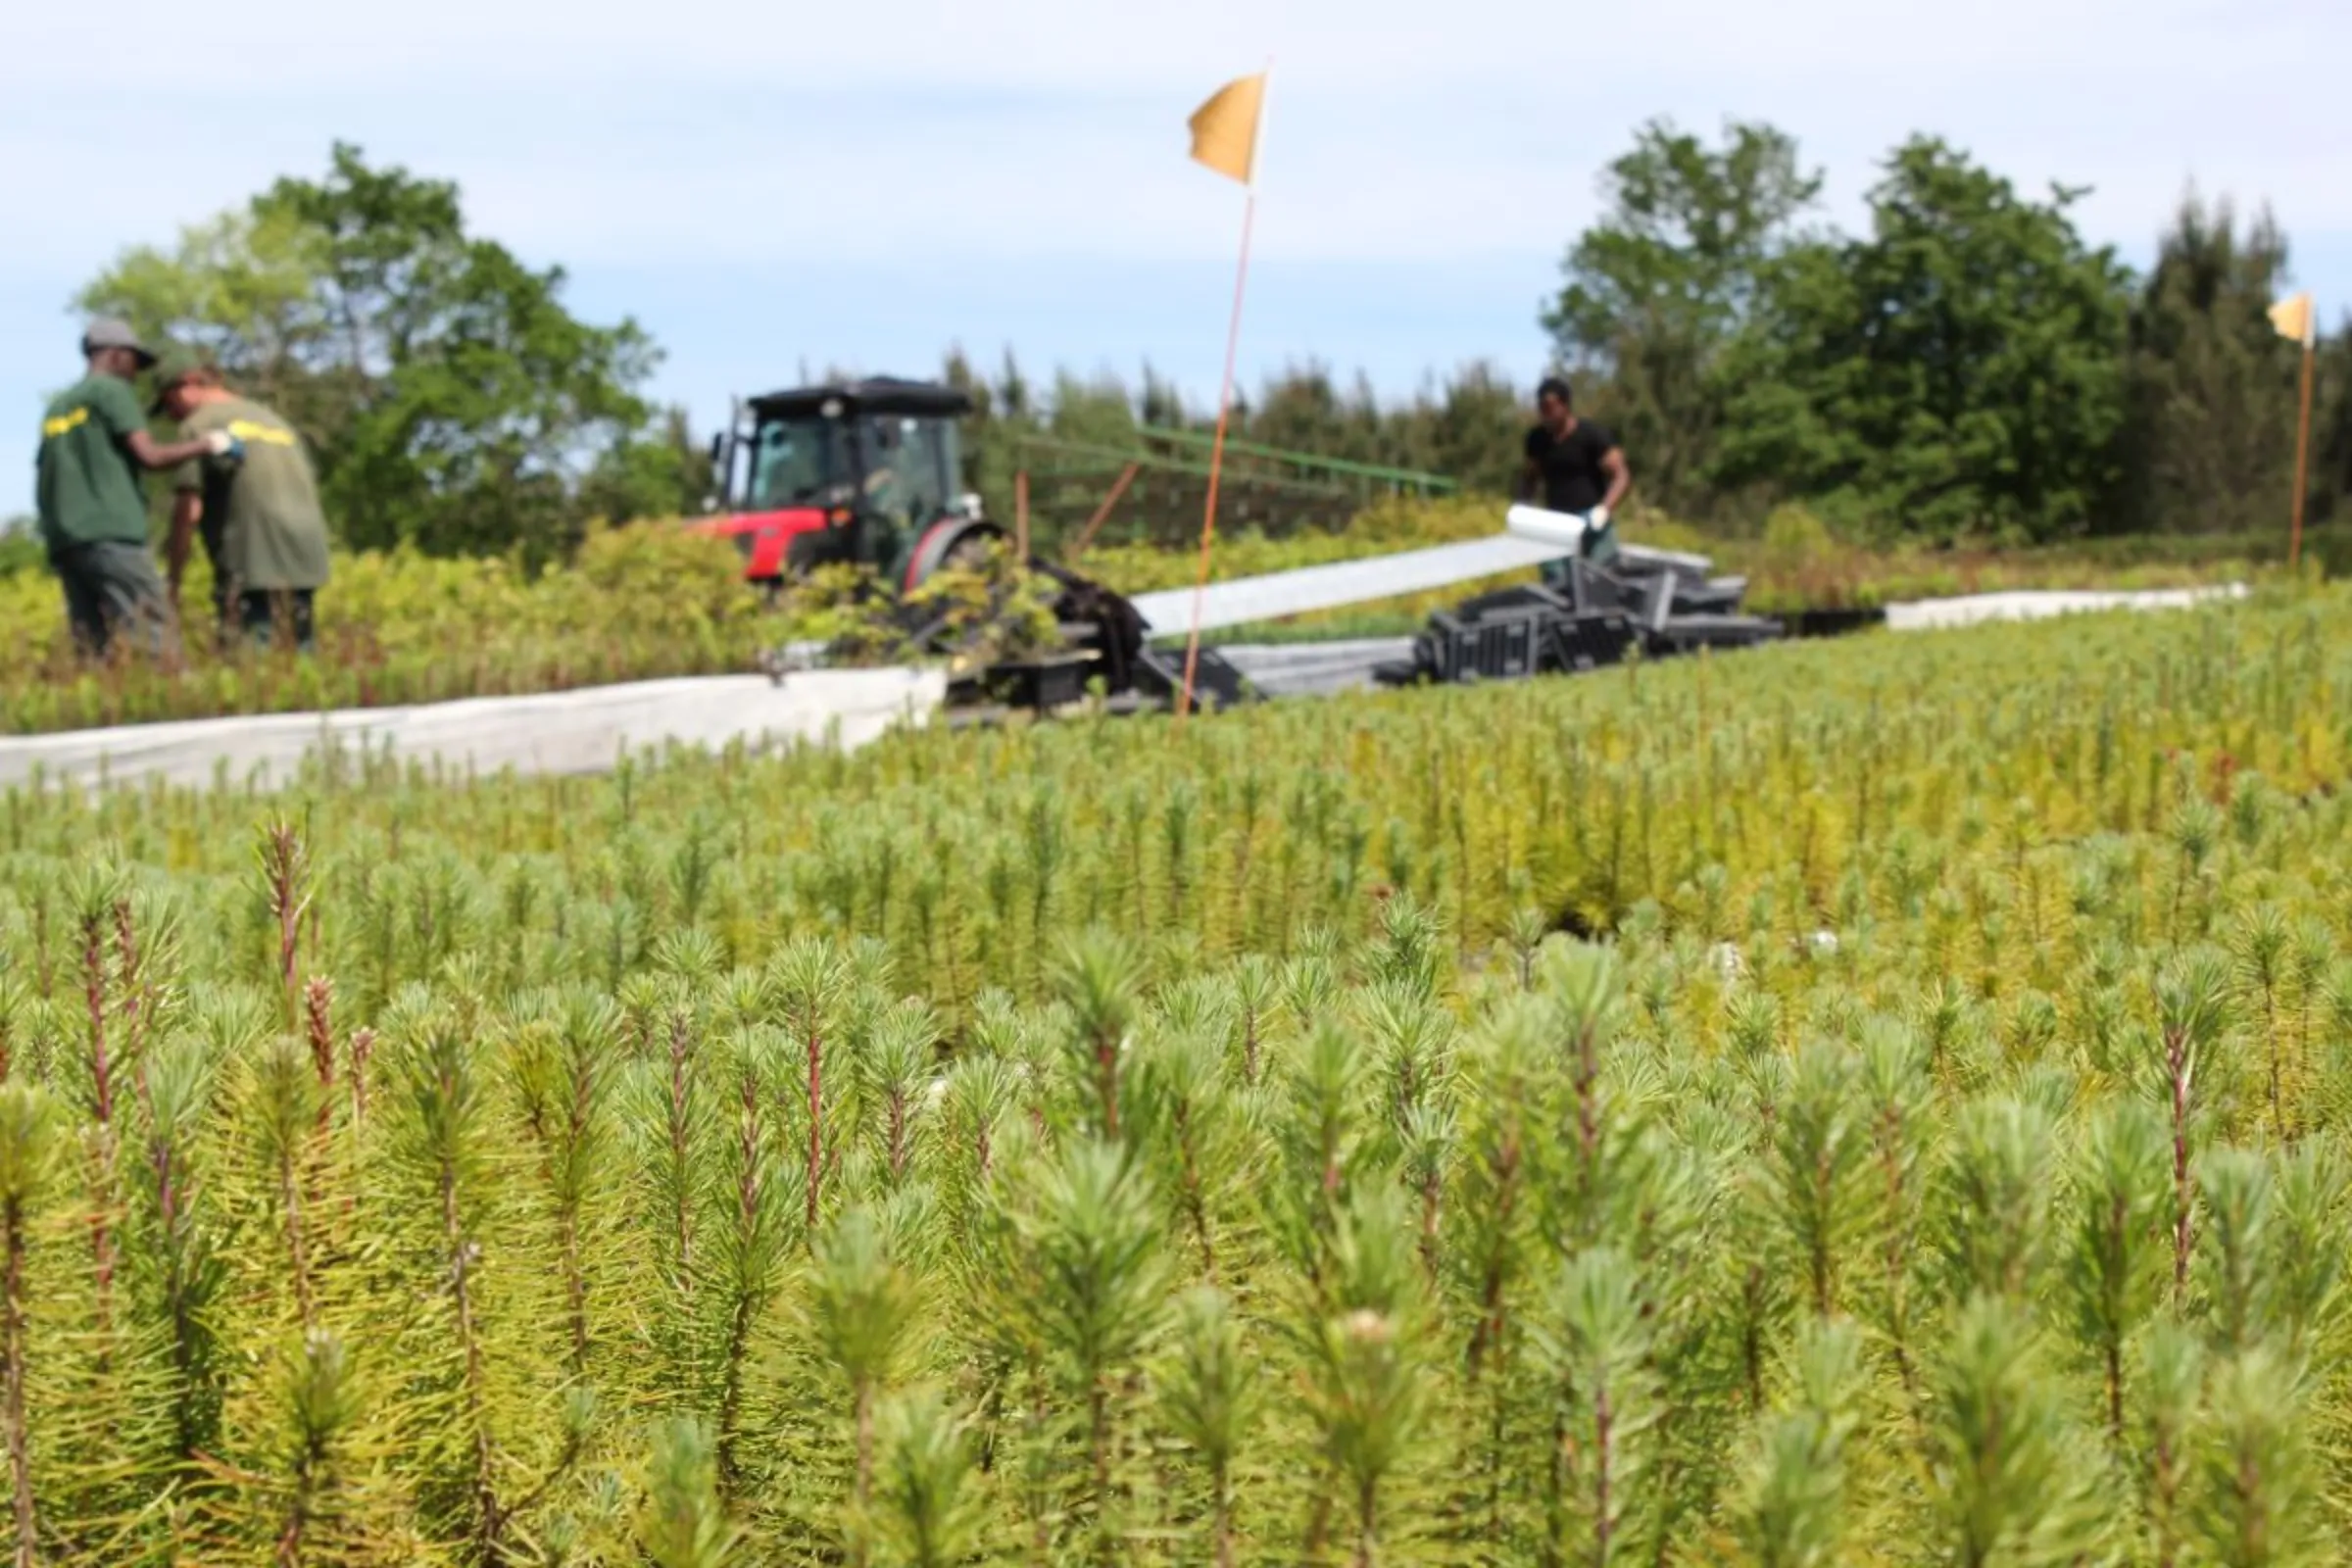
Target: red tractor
{"x": 871, "y": 473}
{"x": 867, "y": 473}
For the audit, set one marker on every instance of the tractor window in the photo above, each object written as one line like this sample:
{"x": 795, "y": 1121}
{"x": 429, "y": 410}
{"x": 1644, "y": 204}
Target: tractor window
{"x": 906, "y": 467}
{"x": 795, "y": 460}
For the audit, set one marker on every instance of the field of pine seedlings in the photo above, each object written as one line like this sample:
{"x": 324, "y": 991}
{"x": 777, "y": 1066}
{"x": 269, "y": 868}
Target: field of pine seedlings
{"x": 1873, "y": 1102}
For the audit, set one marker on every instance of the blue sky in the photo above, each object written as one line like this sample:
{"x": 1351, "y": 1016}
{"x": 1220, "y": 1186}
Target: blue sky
{"x": 764, "y": 185}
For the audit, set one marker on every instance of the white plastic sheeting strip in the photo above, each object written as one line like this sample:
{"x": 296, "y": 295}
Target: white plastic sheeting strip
{"x": 1925, "y": 614}
{"x": 1246, "y": 600}
{"x": 583, "y": 731}
{"x": 1303, "y": 670}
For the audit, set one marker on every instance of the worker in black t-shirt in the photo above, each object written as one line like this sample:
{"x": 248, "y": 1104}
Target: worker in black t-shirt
{"x": 1575, "y": 467}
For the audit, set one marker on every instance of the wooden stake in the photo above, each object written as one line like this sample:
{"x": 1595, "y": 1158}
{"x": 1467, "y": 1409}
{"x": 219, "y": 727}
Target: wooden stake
{"x": 1094, "y": 524}
{"x": 1020, "y": 515}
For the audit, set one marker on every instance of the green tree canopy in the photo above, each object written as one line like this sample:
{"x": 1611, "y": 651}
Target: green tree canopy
{"x": 1959, "y": 371}
{"x": 1659, "y": 286}
{"x": 454, "y": 402}
{"x": 2211, "y": 442}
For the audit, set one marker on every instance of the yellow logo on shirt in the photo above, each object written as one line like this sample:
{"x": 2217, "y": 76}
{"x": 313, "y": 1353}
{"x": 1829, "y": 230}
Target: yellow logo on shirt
{"x": 64, "y": 423}
{"x": 249, "y": 432}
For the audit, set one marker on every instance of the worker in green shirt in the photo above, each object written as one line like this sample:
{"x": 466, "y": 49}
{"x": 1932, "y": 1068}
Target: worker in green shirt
{"x": 92, "y": 505}
{"x": 257, "y": 511}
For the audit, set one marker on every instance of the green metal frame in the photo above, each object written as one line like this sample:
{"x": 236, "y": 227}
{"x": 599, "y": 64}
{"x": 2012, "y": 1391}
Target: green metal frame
{"x": 1309, "y": 465}
{"x": 1264, "y": 488}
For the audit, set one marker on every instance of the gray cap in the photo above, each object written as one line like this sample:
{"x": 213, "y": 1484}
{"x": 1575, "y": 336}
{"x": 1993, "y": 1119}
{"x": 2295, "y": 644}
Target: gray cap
{"x": 107, "y": 332}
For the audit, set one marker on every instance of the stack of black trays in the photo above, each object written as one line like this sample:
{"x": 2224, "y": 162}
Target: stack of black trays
{"x": 1662, "y": 602}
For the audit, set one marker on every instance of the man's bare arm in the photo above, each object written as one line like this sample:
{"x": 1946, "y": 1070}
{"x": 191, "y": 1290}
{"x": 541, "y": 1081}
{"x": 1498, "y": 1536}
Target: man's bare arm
{"x": 152, "y": 454}
{"x": 1621, "y": 477}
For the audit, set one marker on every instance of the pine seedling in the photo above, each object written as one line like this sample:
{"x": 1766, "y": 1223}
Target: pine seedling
{"x": 321, "y": 1406}
{"x": 675, "y": 1112}
{"x": 283, "y": 1103}
{"x": 1208, "y": 1398}
{"x": 982, "y": 1091}
{"x": 2257, "y": 1501}
{"x": 2262, "y": 947}
{"x": 1100, "y": 977}
{"x": 1584, "y": 991}
{"x": 926, "y": 1511}
{"x": 1094, "y": 1292}
{"x": 901, "y": 1062}
{"x": 1998, "y": 1184}
{"x": 1309, "y": 984}
{"x": 2114, "y": 1263}
{"x": 1595, "y": 1341}
{"x": 808, "y": 983}
{"x": 92, "y": 891}
{"x": 2009, "y": 1484}
{"x": 2196, "y": 832}
{"x": 2311, "y": 955}
{"x": 752, "y": 1239}
{"x": 443, "y": 1140}
{"x": 1257, "y": 992}
{"x": 2171, "y": 1376}
{"x": 564, "y": 1076}
{"x": 2306, "y": 1266}
{"x": 30, "y": 1151}
{"x": 1414, "y": 1037}
{"x": 1898, "y": 1089}
{"x": 1409, "y": 950}
{"x": 2192, "y": 1008}
{"x": 1427, "y": 1140}
{"x": 681, "y": 1522}
{"x": 1794, "y": 1500}
{"x": 1821, "y": 1146}
{"x": 191, "y": 1271}
{"x": 1492, "y": 1250}
{"x": 2236, "y": 1246}
{"x": 861, "y": 1305}
{"x": 1368, "y": 1384}
{"x": 1319, "y": 1135}
{"x": 282, "y": 878}
{"x": 1180, "y": 1073}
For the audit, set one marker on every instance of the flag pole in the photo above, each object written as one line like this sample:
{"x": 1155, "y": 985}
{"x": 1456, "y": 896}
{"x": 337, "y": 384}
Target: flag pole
{"x": 2294, "y": 547}
{"x": 1216, "y": 449}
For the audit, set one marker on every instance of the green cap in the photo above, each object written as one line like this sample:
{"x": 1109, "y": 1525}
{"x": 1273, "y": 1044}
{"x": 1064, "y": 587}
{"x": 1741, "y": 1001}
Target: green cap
{"x": 175, "y": 366}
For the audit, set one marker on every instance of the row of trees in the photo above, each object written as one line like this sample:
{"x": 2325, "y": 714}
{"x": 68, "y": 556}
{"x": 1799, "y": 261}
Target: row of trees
{"x": 1967, "y": 366}
{"x": 453, "y": 401}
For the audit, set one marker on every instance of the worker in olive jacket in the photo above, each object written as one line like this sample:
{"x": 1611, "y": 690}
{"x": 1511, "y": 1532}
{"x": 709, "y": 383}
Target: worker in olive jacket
{"x": 257, "y": 511}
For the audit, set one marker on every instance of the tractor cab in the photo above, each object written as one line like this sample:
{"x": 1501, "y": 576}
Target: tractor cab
{"x": 864, "y": 473}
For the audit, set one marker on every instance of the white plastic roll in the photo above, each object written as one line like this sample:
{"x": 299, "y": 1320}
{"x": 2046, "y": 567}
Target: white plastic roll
{"x": 1564, "y": 530}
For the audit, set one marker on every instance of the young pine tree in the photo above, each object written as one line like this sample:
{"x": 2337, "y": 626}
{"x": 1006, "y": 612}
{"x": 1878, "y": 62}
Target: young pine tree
{"x": 1794, "y": 1503}
{"x": 2115, "y": 1259}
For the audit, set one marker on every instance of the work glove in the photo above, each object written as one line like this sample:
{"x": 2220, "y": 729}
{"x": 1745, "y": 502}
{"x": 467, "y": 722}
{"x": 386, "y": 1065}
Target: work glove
{"x": 222, "y": 444}
{"x": 1598, "y": 518}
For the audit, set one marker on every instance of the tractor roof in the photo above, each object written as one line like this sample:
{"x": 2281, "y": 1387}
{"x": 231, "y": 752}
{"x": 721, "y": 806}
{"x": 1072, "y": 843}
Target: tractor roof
{"x": 880, "y": 394}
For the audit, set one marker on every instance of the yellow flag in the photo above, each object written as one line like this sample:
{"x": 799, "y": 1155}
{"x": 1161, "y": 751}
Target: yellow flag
{"x": 1225, "y": 129}
{"x": 2292, "y": 317}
